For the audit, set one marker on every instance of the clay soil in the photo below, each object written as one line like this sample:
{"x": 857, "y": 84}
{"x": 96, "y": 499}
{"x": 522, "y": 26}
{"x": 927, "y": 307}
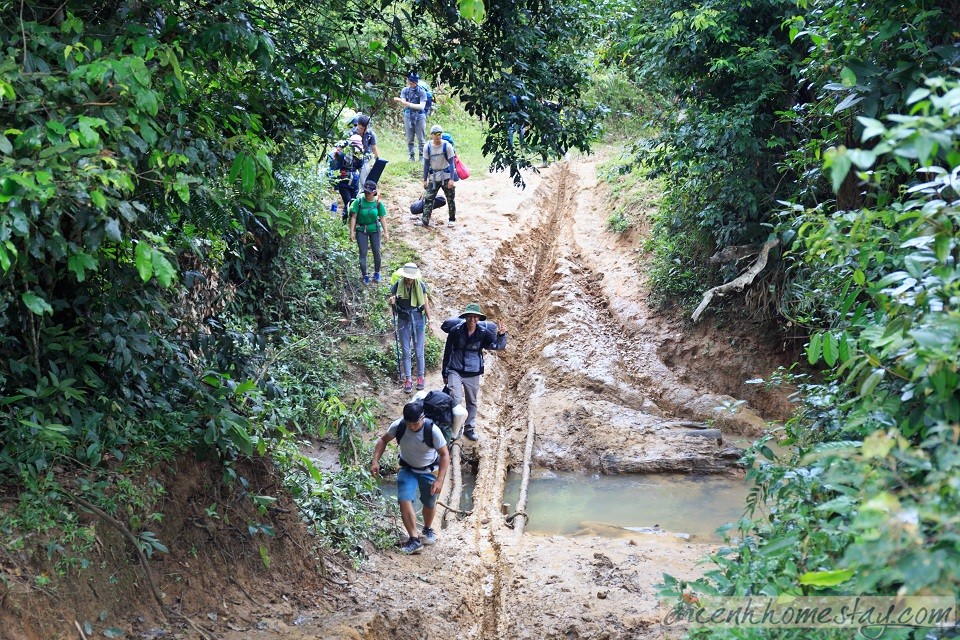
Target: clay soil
{"x": 593, "y": 379}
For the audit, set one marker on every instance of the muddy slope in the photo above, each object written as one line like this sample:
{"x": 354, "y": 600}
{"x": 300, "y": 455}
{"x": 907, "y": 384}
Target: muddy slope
{"x": 602, "y": 383}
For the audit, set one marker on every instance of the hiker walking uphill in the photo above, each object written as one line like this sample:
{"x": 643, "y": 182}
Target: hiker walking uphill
{"x": 424, "y": 460}
{"x": 463, "y": 358}
{"x": 438, "y": 172}
{"x": 414, "y": 99}
{"x": 408, "y": 297}
{"x": 367, "y": 216}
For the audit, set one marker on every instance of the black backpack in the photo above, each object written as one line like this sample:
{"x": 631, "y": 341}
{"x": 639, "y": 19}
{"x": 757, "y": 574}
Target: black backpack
{"x": 438, "y": 406}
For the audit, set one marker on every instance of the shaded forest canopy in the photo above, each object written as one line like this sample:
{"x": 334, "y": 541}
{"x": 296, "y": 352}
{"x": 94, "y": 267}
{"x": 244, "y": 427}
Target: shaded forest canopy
{"x": 163, "y": 269}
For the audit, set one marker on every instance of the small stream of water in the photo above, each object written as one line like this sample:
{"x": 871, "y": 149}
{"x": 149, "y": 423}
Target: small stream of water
{"x": 577, "y": 503}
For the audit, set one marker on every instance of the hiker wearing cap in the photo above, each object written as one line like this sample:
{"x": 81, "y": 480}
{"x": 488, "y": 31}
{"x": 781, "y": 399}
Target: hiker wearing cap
{"x": 424, "y": 460}
{"x": 367, "y": 221}
{"x": 438, "y": 173}
{"x": 368, "y": 144}
{"x": 413, "y": 97}
{"x": 463, "y": 357}
{"x": 408, "y": 296}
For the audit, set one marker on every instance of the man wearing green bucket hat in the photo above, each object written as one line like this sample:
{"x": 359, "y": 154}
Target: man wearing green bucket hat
{"x": 467, "y": 337}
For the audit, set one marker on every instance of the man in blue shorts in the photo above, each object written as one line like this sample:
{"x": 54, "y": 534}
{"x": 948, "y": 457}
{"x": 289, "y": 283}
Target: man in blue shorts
{"x": 424, "y": 460}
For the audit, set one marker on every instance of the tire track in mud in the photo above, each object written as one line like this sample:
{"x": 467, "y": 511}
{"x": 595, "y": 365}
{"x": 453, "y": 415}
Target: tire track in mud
{"x": 513, "y": 285}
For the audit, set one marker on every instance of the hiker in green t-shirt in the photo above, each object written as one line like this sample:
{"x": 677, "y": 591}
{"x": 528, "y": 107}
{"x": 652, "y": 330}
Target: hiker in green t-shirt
{"x": 367, "y": 220}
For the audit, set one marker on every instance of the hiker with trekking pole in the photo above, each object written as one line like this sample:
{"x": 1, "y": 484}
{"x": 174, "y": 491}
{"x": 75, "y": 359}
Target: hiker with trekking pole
{"x": 410, "y": 301}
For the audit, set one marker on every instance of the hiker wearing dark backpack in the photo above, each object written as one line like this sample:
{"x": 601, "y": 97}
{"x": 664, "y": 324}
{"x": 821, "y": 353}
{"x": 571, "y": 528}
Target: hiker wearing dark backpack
{"x": 368, "y": 144}
{"x": 413, "y": 97}
{"x": 408, "y": 297}
{"x": 344, "y": 163}
{"x": 367, "y": 216}
{"x": 424, "y": 460}
{"x": 467, "y": 337}
{"x": 438, "y": 173}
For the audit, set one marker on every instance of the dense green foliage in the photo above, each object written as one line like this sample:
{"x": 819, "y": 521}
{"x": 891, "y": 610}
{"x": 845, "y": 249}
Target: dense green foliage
{"x": 168, "y": 284}
{"x": 772, "y": 101}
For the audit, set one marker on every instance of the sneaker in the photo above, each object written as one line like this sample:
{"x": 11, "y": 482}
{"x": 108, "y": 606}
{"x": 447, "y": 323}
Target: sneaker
{"x": 420, "y": 385}
{"x": 470, "y": 434}
{"x": 366, "y": 279}
{"x": 407, "y": 385}
{"x": 411, "y": 546}
{"x": 451, "y": 223}
{"x": 429, "y": 536}
{"x": 411, "y": 159}
{"x": 376, "y": 276}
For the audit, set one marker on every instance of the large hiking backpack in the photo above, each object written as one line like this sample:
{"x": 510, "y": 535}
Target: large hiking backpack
{"x": 438, "y": 406}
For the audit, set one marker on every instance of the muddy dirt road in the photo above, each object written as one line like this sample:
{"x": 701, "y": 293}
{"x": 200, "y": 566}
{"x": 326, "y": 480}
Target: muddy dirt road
{"x": 592, "y": 379}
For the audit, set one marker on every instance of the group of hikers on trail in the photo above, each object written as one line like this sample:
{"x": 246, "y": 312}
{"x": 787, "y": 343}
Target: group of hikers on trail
{"x": 423, "y": 439}
{"x": 427, "y": 426}
{"x": 355, "y": 165}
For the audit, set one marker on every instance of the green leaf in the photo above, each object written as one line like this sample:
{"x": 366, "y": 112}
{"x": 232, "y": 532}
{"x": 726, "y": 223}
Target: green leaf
{"x": 164, "y": 270}
{"x": 36, "y": 304}
{"x": 99, "y": 199}
{"x": 813, "y": 348}
{"x": 143, "y": 256}
{"x": 79, "y": 263}
{"x": 871, "y": 382}
{"x": 839, "y": 168}
{"x": 877, "y": 445}
{"x": 112, "y": 229}
{"x": 5, "y": 147}
{"x": 826, "y": 578}
{"x": 113, "y": 632}
{"x": 56, "y": 127}
{"x": 848, "y": 77}
{"x": 829, "y": 349}
{"x": 248, "y": 174}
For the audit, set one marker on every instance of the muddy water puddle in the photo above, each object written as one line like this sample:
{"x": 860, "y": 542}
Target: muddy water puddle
{"x": 575, "y": 503}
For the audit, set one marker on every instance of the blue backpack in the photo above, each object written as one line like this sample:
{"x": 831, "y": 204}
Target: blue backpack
{"x": 429, "y": 106}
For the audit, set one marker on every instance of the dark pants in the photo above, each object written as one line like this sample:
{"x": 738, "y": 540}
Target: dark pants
{"x": 347, "y": 192}
{"x": 374, "y": 242}
{"x": 431, "y": 195}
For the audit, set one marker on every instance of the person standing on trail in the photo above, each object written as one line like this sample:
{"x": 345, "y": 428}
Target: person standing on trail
{"x": 463, "y": 358}
{"x": 367, "y": 215}
{"x": 369, "y": 144}
{"x": 414, "y": 99}
{"x": 424, "y": 460}
{"x": 408, "y": 297}
{"x": 438, "y": 172}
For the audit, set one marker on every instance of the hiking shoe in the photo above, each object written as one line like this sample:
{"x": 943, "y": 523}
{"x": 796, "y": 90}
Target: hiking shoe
{"x": 420, "y": 383}
{"x": 407, "y": 385}
{"x": 425, "y": 223}
{"x": 451, "y": 223}
{"x": 376, "y": 276}
{"x": 411, "y": 546}
{"x": 411, "y": 159}
{"x": 429, "y": 536}
{"x": 470, "y": 434}
{"x": 366, "y": 279}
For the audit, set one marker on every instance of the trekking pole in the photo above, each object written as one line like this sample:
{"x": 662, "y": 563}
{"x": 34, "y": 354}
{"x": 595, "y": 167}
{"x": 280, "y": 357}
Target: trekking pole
{"x": 396, "y": 342}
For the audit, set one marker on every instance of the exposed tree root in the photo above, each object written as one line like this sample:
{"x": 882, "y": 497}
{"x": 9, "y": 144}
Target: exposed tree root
{"x": 739, "y": 283}
{"x": 119, "y": 526}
